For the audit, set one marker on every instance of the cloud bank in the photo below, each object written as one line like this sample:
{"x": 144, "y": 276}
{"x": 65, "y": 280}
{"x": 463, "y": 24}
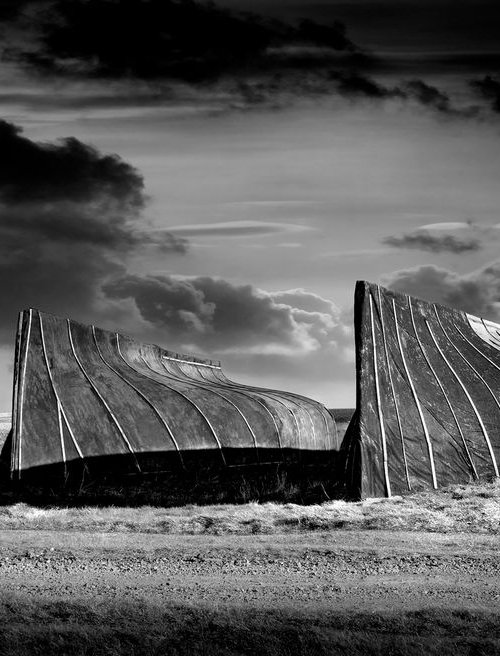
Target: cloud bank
{"x": 435, "y": 241}
{"x": 215, "y": 315}
{"x": 477, "y": 292}
{"x": 172, "y": 50}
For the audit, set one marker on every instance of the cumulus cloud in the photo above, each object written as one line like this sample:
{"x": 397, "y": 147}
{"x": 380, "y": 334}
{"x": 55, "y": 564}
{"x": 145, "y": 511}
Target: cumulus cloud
{"x": 477, "y": 292}
{"x": 214, "y": 314}
{"x": 435, "y": 241}
{"x": 69, "y": 218}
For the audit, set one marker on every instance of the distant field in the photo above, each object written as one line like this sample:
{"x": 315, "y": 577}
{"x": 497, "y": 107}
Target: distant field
{"x": 342, "y": 418}
{"x": 342, "y": 414}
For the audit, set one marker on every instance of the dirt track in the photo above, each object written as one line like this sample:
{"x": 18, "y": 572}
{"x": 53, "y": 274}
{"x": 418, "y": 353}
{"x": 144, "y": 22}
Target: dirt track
{"x": 357, "y": 570}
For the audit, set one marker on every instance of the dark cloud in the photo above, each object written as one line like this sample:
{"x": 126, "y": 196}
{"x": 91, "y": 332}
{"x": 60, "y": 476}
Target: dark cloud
{"x": 477, "y": 292}
{"x": 489, "y": 88}
{"x": 279, "y": 90}
{"x": 214, "y": 314}
{"x": 435, "y": 241}
{"x": 69, "y": 218}
{"x": 179, "y": 39}
{"x": 236, "y": 60}
{"x": 66, "y": 170}
{"x": 357, "y": 85}
{"x": 437, "y": 100}
{"x": 429, "y": 95}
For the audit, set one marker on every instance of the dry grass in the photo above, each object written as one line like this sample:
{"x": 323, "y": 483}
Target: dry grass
{"x": 471, "y": 508}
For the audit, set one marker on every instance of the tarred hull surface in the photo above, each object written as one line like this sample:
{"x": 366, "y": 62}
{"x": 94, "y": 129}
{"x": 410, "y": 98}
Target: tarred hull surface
{"x": 428, "y": 396}
{"x": 85, "y": 397}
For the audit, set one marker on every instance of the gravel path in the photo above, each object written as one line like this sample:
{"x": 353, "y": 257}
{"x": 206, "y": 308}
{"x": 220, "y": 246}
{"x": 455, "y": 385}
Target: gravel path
{"x": 348, "y": 571}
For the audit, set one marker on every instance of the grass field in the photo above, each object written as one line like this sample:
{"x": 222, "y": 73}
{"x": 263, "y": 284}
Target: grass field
{"x": 471, "y": 508}
{"x": 59, "y": 629}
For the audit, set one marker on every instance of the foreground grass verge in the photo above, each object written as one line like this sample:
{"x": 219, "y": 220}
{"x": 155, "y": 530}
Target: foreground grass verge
{"x": 461, "y": 508}
{"x": 58, "y": 628}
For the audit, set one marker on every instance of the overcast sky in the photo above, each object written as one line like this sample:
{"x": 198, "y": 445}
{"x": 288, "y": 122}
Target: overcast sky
{"x": 216, "y": 182}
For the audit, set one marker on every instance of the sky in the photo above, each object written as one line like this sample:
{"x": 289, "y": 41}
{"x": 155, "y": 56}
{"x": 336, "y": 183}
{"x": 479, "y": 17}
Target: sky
{"x": 215, "y": 181}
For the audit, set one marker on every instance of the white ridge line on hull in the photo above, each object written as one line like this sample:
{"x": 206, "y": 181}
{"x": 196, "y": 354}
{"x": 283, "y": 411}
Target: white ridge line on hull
{"x": 283, "y": 398}
{"x": 483, "y": 427}
{"x": 464, "y": 389}
{"x": 197, "y": 364}
{"x": 15, "y": 396}
{"x": 393, "y": 391}
{"x": 102, "y": 399}
{"x": 195, "y": 405}
{"x": 222, "y": 396}
{"x": 191, "y": 402}
{"x": 478, "y": 325}
{"x": 240, "y": 388}
{"x": 21, "y": 395}
{"x": 142, "y": 395}
{"x": 58, "y": 398}
{"x": 417, "y": 401}
{"x": 58, "y": 402}
{"x": 379, "y": 405}
{"x": 443, "y": 391}
{"x": 254, "y": 398}
{"x": 290, "y": 397}
{"x": 495, "y": 338}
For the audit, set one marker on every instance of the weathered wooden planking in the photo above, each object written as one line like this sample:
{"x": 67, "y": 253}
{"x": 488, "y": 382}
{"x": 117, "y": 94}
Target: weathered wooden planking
{"x": 428, "y": 396}
{"x": 86, "y": 398}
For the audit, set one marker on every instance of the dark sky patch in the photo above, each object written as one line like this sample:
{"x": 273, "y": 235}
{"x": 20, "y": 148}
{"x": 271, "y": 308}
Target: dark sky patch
{"x": 151, "y": 39}
{"x": 398, "y": 25}
{"x": 70, "y": 217}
